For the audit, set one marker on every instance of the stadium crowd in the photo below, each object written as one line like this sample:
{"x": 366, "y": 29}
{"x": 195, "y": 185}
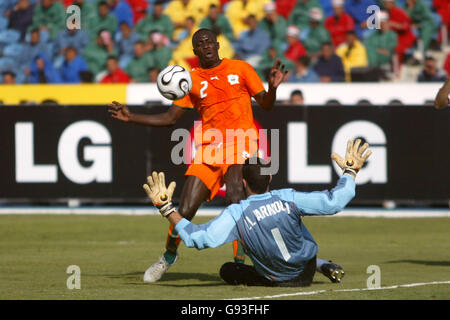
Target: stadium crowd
{"x": 130, "y": 41}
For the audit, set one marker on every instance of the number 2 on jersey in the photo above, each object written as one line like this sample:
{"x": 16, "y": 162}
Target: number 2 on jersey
{"x": 203, "y": 89}
{"x": 280, "y": 243}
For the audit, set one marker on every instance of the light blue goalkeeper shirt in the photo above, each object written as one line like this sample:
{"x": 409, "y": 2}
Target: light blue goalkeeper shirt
{"x": 270, "y": 227}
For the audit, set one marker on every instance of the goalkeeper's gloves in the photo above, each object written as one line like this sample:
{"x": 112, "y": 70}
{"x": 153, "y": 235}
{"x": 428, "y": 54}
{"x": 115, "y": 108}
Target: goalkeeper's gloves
{"x": 354, "y": 158}
{"x": 160, "y": 195}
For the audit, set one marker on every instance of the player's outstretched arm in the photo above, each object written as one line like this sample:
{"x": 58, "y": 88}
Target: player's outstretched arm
{"x": 267, "y": 99}
{"x": 441, "y": 100}
{"x": 164, "y": 119}
{"x": 335, "y": 200}
{"x": 212, "y": 234}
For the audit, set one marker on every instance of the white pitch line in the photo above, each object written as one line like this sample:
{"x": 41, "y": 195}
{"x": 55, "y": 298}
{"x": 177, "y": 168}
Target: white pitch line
{"x": 306, "y": 293}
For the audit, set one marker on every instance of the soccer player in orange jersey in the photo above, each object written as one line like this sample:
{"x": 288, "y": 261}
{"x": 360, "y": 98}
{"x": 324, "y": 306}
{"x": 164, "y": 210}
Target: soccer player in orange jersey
{"x": 221, "y": 92}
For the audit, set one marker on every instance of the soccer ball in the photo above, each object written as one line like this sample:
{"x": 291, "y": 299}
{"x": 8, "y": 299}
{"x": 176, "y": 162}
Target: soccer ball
{"x": 174, "y": 82}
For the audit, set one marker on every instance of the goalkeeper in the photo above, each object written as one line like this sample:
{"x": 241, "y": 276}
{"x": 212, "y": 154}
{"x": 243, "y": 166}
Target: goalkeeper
{"x": 267, "y": 223}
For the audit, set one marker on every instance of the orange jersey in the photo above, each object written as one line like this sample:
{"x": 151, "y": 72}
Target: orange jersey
{"x": 222, "y": 96}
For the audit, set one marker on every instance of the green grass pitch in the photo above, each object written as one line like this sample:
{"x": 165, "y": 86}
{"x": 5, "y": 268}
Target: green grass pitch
{"x": 114, "y": 251}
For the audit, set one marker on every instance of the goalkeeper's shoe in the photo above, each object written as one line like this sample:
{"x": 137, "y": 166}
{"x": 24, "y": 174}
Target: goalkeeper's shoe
{"x": 333, "y": 272}
{"x": 157, "y": 270}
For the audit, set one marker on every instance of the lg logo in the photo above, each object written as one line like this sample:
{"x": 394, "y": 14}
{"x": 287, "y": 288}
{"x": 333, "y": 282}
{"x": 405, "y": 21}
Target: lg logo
{"x": 299, "y": 171}
{"x": 99, "y": 153}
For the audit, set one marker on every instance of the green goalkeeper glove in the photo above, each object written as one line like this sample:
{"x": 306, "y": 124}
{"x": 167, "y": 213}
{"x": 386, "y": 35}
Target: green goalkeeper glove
{"x": 354, "y": 158}
{"x": 160, "y": 195}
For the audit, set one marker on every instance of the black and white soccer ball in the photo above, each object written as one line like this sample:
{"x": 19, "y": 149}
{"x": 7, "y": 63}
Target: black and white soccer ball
{"x": 174, "y": 82}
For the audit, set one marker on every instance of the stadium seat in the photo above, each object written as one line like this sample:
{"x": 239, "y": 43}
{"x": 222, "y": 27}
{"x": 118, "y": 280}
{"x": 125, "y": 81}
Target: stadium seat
{"x": 7, "y": 64}
{"x": 3, "y": 23}
{"x": 9, "y": 36}
{"x": 14, "y": 50}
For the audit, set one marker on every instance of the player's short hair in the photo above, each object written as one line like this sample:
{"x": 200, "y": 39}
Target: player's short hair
{"x": 297, "y": 92}
{"x": 251, "y": 172}
{"x": 199, "y": 32}
{"x": 304, "y": 60}
{"x": 9, "y": 73}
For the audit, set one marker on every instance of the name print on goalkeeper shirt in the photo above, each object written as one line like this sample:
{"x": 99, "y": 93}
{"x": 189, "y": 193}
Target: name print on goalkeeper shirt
{"x": 267, "y": 210}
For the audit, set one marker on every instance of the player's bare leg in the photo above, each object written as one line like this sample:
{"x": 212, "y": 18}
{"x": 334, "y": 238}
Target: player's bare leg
{"x": 194, "y": 193}
{"x": 235, "y": 193}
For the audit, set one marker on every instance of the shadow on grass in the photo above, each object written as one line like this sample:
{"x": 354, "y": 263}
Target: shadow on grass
{"x": 424, "y": 262}
{"x": 212, "y": 280}
{"x": 170, "y": 276}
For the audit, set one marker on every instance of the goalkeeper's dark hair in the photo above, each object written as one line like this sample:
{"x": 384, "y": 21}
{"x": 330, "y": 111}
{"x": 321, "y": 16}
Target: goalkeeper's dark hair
{"x": 251, "y": 172}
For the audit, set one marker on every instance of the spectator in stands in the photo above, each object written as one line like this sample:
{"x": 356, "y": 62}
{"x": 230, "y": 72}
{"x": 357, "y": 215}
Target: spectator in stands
{"x": 21, "y": 17}
{"x": 72, "y": 66}
{"x": 97, "y": 52}
{"x": 316, "y": 33}
{"x": 42, "y": 71}
{"x": 217, "y": 20}
{"x": 252, "y": 43}
{"x": 327, "y": 7}
{"x": 296, "y": 98}
{"x": 183, "y": 54}
{"x": 381, "y": 44}
{"x": 443, "y": 9}
{"x": 420, "y": 14}
{"x": 49, "y": 16}
{"x": 115, "y": 74}
{"x": 77, "y": 38}
{"x": 238, "y": 11}
{"x": 273, "y": 24}
{"x": 137, "y": 69}
{"x": 295, "y": 48}
{"x": 357, "y": 9}
{"x": 364, "y": 103}
{"x": 158, "y": 21}
{"x": 333, "y": 103}
{"x": 352, "y": 53}
{"x": 300, "y": 15}
{"x": 34, "y": 47}
{"x": 329, "y": 66}
{"x": 285, "y": 7}
{"x": 268, "y": 60}
{"x": 125, "y": 40}
{"x": 158, "y": 46}
{"x": 9, "y": 77}
{"x": 339, "y": 23}
{"x": 395, "y": 102}
{"x": 302, "y": 72}
{"x": 121, "y": 11}
{"x": 400, "y": 23}
{"x": 431, "y": 73}
{"x": 104, "y": 20}
{"x": 179, "y": 10}
{"x": 139, "y": 8}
